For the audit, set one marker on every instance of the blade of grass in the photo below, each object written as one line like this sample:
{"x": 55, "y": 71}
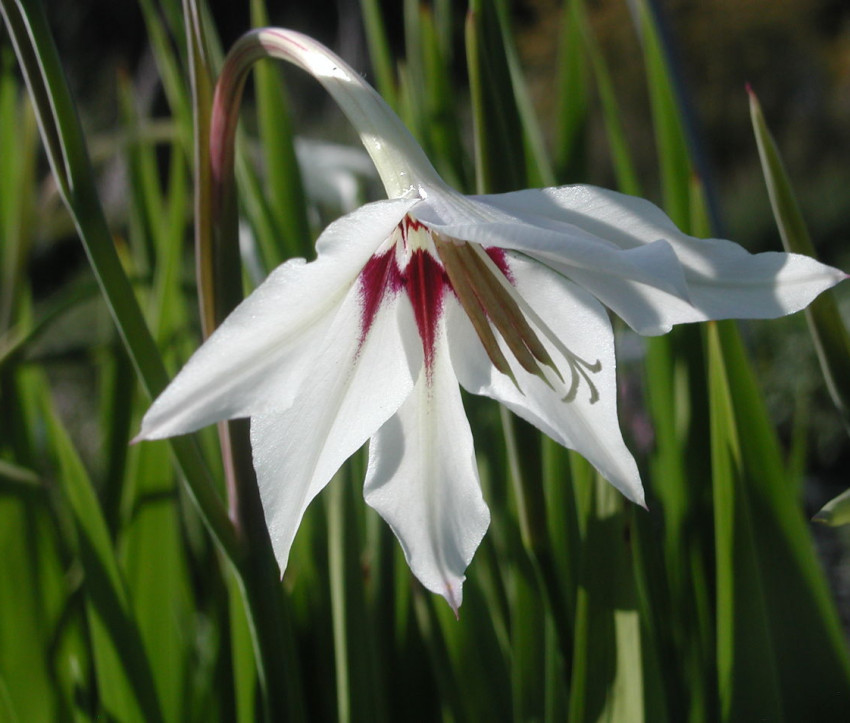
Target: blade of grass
{"x": 539, "y": 168}
{"x": 357, "y": 691}
{"x": 442, "y": 124}
{"x": 746, "y": 658}
{"x": 773, "y": 602}
{"x": 125, "y": 681}
{"x": 157, "y": 576}
{"x": 528, "y": 678}
{"x": 63, "y": 139}
{"x": 18, "y": 138}
{"x": 380, "y": 52}
{"x": 500, "y": 163}
{"x": 526, "y": 478}
{"x": 670, "y": 135}
{"x": 220, "y": 290}
{"x": 569, "y": 153}
{"x": 828, "y": 331}
{"x": 607, "y": 677}
{"x": 624, "y": 168}
{"x": 284, "y": 188}
{"x": 32, "y": 586}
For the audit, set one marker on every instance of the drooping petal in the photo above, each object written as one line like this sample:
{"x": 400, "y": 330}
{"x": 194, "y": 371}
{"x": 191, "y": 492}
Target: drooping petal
{"x": 355, "y": 384}
{"x": 587, "y": 422}
{"x": 423, "y": 480}
{"x": 256, "y": 360}
{"x": 721, "y": 279}
{"x": 398, "y": 158}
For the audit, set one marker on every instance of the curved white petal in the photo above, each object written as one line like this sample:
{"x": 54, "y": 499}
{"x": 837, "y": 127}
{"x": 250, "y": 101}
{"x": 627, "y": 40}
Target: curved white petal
{"x": 257, "y": 359}
{"x": 579, "y": 323}
{"x": 399, "y": 159}
{"x": 352, "y": 390}
{"x": 684, "y": 279}
{"x": 423, "y": 480}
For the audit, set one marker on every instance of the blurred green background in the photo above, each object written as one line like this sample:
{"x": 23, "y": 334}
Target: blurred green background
{"x": 709, "y": 607}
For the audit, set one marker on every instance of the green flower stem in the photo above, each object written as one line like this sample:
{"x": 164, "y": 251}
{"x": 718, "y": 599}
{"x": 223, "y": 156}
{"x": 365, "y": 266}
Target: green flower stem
{"x": 399, "y": 160}
{"x": 220, "y": 290}
{"x": 216, "y": 252}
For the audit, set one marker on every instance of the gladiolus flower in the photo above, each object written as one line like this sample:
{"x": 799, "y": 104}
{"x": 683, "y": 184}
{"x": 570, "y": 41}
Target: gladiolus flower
{"x": 412, "y": 296}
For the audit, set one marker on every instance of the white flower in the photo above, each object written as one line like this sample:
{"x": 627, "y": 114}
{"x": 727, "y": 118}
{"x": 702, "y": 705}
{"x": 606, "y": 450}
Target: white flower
{"x": 410, "y": 296}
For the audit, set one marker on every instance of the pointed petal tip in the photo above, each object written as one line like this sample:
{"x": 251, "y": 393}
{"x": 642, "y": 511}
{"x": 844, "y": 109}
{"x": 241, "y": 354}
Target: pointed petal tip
{"x": 633, "y": 491}
{"x": 147, "y": 432}
{"x": 631, "y": 488}
{"x": 453, "y": 594}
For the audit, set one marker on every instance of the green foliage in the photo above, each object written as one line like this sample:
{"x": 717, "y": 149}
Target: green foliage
{"x": 129, "y": 591}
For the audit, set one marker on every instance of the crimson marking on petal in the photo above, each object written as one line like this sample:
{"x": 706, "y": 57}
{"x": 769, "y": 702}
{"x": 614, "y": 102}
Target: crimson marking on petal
{"x": 379, "y": 275}
{"x": 426, "y": 281}
{"x": 422, "y": 277}
{"x": 500, "y": 258}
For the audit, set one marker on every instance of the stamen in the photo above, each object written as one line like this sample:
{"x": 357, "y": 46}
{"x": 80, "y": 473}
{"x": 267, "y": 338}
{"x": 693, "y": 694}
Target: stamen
{"x": 486, "y": 292}
{"x": 507, "y": 316}
{"x": 471, "y": 303}
{"x": 579, "y": 367}
{"x": 471, "y": 276}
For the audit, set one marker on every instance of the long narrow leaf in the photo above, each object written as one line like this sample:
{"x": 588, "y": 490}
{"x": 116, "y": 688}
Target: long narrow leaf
{"x": 124, "y": 674}
{"x": 829, "y": 333}
{"x": 778, "y": 630}
{"x": 63, "y": 139}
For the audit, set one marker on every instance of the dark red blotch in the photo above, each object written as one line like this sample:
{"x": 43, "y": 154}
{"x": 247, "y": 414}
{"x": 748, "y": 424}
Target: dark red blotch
{"x": 424, "y": 281}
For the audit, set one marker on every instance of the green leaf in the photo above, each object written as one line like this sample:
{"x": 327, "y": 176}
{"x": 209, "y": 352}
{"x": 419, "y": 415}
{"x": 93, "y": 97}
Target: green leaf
{"x": 380, "y": 52}
{"x": 573, "y": 96}
{"x": 780, "y": 645}
{"x": 284, "y": 188}
{"x": 621, "y": 156}
{"x": 539, "y": 167}
{"x": 157, "y": 576}
{"x": 748, "y": 681}
{"x": 607, "y": 680}
{"x": 500, "y": 162}
{"x": 18, "y": 139}
{"x": 443, "y": 126}
{"x": 354, "y": 647}
{"x": 828, "y": 331}
{"x": 69, "y": 161}
{"x": 16, "y": 473}
{"x": 32, "y": 592}
{"x": 673, "y": 152}
{"x": 245, "y": 678}
{"x": 836, "y": 511}
{"x": 125, "y": 681}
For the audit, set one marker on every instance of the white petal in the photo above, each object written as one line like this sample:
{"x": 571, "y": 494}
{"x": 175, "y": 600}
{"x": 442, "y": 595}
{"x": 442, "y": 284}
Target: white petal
{"x": 423, "y": 481}
{"x": 721, "y": 279}
{"x": 634, "y": 282}
{"x": 399, "y": 159}
{"x": 353, "y": 389}
{"x": 257, "y": 359}
{"x": 581, "y": 324}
